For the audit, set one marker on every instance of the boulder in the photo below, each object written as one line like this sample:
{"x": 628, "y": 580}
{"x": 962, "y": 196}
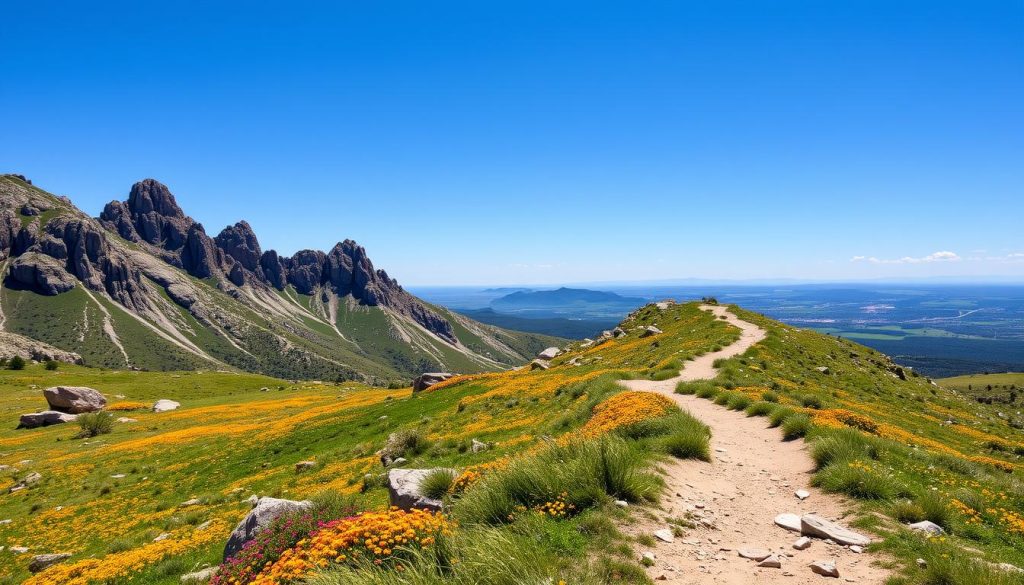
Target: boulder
{"x": 664, "y": 535}
{"x": 45, "y": 419}
{"x": 428, "y": 379}
{"x": 617, "y": 332}
{"x": 74, "y": 399}
{"x": 549, "y": 353}
{"x": 771, "y": 562}
{"x": 265, "y": 511}
{"x": 823, "y": 370}
{"x": 203, "y": 576}
{"x": 927, "y": 527}
{"x": 41, "y": 562}
{"x": 812, "y": 525}
{"x": 404, "y": 490}
{"x": 477, "y": 446}
{"x": 41, "y": 273}
{"x": 304, "y": 466}
{"x": 163, "y": 405}
{"x": 539, "y": 365}
{"x": 26, "y": 481}
{"x": 802, "y": 543}
{"x": 650, "y": 330}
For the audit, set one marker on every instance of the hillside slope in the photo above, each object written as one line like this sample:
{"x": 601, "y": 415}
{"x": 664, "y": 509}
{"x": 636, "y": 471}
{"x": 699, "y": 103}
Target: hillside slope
{"x": 144, "y": 286}
{"x": 897, "y": 447}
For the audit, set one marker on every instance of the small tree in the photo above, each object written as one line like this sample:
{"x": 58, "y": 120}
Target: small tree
{"x": 52, "y": 365}
{"x": 17, "y": 363}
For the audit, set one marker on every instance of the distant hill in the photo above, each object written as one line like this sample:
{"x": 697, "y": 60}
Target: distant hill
{"x": 567, "y": 302}
{"x": 558, "y": 326}
{"x": 143, "y": 286}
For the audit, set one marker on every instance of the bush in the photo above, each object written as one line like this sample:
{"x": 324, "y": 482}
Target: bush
{"x": 280, "y": 535}
{"x": 935, "y": 509}
{"x": 856, "y": 479}
{"x": 404, "y": 443}
{"x": 94, "y": 423}
{"x": 52, "y": 365}
{"x": 580, "y": 473}
{"x": 436, "y": 483}
{"x": 795, "y": 426}
{"x": 17, "y": 363}
{"x": 762, "y": 408}
{"x": 907, "y": 512}
{"x": 842, "y": 445}
{"x": 738, "y": 401}
{"x": 778, "y": 415}
{"x": 707, "y": 391}
{"x": 664, "y": 375}
{"x": 810, "y": 401}
{"x": 691, "y": 443}
{"x": 695, "y": 387}
{"x": 769, "y": 396}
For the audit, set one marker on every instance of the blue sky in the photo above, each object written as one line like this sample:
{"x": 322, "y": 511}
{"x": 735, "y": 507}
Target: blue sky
{"x": 519, "y": 142}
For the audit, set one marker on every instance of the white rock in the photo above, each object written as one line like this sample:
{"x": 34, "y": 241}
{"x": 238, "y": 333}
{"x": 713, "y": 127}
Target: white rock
{"x": 163, "y": 405}
{"x": 812, "y": 525}
{"x": 772, "y": 562}
{"x": 664, "y": 535}
{"x": 622, "y": 503}
{"x": 856, "y": 549}
{"x": 755, "y": 554}
{"x": 803, "y": 494}
{"x": 825, "y": 568}
{"x": 788, "y": 521}
{"x": 927, "y": 527}
{"x": 200, "y": 576}
{"x": 802, "y": 543}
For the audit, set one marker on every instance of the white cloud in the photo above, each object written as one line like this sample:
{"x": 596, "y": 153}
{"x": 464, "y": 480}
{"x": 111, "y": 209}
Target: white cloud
{"x": 941, "y": 256}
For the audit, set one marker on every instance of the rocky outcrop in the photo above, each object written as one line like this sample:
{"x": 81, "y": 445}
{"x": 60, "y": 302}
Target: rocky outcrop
{"x": 812, "y": 525}
{"x": 164, "y": 405}
{"x": 74, "y": 399}
{"x": 42, "y": 274}
{"x": 240, "y": 243}
{"x": 12, "y": 344}
{"x": 265, "y": 511}
{"x": 41, "y": 562}
{"x": 273, "y": 269}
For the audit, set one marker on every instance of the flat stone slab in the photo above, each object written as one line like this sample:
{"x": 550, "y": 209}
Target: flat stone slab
{"x": 812, "y": 525}
{"x": 754, "y": 554}
{"x": 664, "y": 535}
{"x": 825, "y": 569}
{"x": 788, "y": 521}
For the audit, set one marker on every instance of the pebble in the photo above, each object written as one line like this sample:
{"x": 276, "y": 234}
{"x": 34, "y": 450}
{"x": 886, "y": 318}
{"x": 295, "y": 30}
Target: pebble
{"x": 802, "y": 543}
{"x": 664, "y": 535}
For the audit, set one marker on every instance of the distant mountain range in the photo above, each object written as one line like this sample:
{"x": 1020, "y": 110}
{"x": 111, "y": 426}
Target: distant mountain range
{"x": 145, "y": 286}
{"x": 572, "y": 302}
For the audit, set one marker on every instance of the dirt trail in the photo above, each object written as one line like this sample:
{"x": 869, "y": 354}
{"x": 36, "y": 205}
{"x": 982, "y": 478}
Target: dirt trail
{"x": 735, "y": 499}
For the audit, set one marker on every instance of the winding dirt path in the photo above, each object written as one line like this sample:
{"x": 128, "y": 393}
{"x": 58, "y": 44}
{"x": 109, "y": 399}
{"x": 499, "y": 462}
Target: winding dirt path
{"x": 734, "y": 500}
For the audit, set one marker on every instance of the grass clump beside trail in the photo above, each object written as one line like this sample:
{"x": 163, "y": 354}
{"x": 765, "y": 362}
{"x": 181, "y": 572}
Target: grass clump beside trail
{"x": 437, "y": 483}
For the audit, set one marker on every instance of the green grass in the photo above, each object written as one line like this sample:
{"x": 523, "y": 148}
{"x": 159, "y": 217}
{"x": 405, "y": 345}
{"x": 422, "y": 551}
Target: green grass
{"x": 436, "y": 483}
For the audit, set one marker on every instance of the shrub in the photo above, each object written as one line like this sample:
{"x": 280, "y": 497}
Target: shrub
{"x": 795, "y": 426}
{"x": 579, "y": 472}
{"x": 94, "y": 423}
{"x": 436, "y": 483}
{"x": 17, "y": 363}
{"x": 691, "y": 442}
{"x": 907, "y": 512}
{"x": 857, "y": 479}
{"x": 664, "y": 374}
{"x": 762, "y": 408}
{"x": 810, "y": 401}
{"x": 280, "y": 535}
{"x": 406, "y": 442}
{"x": 778, "y": 415}
{"x": 707, "y": 391}
{"x": 841, "y": 445}
{"x": 738, "y": 401}
{"x": 769, "y": 396}
{"x": 52, "y": 365}
{"x": 935, "y": 509}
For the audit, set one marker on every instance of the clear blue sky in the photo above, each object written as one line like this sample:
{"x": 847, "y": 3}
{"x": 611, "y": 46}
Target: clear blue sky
{"x": 519, "y": 142}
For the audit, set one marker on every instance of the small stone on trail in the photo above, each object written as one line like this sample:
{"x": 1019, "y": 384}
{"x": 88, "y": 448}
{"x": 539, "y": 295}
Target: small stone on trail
{"x": 755, "y": 554}
{"x": 802, "y": 543}
{"x": 648, "y": 555}
{"x": 788, "y": 521}
{"x": 825, "y": 568}
{"x": 803, "y": 494}
{"x": 812, "y": 525}
{"x": 771, "y": 562}
{"x": 856, "y": 549}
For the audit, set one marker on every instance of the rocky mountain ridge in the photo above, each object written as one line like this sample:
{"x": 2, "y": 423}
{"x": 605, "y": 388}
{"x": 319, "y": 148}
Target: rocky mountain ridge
{"x": 160, "y": 266}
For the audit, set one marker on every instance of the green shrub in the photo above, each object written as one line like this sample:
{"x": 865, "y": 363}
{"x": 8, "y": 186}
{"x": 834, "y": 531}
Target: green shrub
{"x": 52, "y": 365}
{"x": 689, "y": 444}
{"x": 907, "y": 512}
{"x": 935, "y": 509}
{"x": 17, "y": 363}
{"x": 436, "y": 483}
{"x": 695, "y": 387}
{"x": 405, "y": 443}
{"x": 738, "y": 401}
{"x": 760, "y": 409}
{"x": 769, "y": 396}
{"x": 583, "y": 472}
{"x": 664, "y": 375}
{"x": 795, "y": 426}
{"x": 94, "y": 423}
{"x": 707, "y": 391}
{"x": 856, "y": 479}
{"x": 841, "y": 445}
{"x": 810, "y": 401}
{"x": 778, "y": 415}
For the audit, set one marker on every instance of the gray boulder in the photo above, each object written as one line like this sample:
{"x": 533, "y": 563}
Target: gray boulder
{"x": 549, "y": 353}
{"x": 428, "y": 379}
{"x": 404, "y": 490}
{"x": 650, "y": 330}
{"x": 265, "y": 511}
{"x": 539, "y": 365}
{"x": 41, "y": 562}
{"x": 927, "y": 527}
{"x": 74, "y": 399}
{"x": 203, "y": 576}
{"x": 812, "y": 525}
{"x": 45, "y": 419}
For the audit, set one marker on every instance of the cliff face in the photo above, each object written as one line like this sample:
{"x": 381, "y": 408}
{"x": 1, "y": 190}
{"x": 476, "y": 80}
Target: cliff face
{"x": 147, "y": 256}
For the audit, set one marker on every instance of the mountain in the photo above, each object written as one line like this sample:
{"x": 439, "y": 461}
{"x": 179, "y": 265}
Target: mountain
{"x": 567, "y": 302}
{"x": 145, "y": 286}
{"x": 558, "y": 326}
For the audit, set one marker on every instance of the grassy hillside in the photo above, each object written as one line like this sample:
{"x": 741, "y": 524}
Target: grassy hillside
{"x": 231, "y": 440}
{"x": 1007, "y": 388}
